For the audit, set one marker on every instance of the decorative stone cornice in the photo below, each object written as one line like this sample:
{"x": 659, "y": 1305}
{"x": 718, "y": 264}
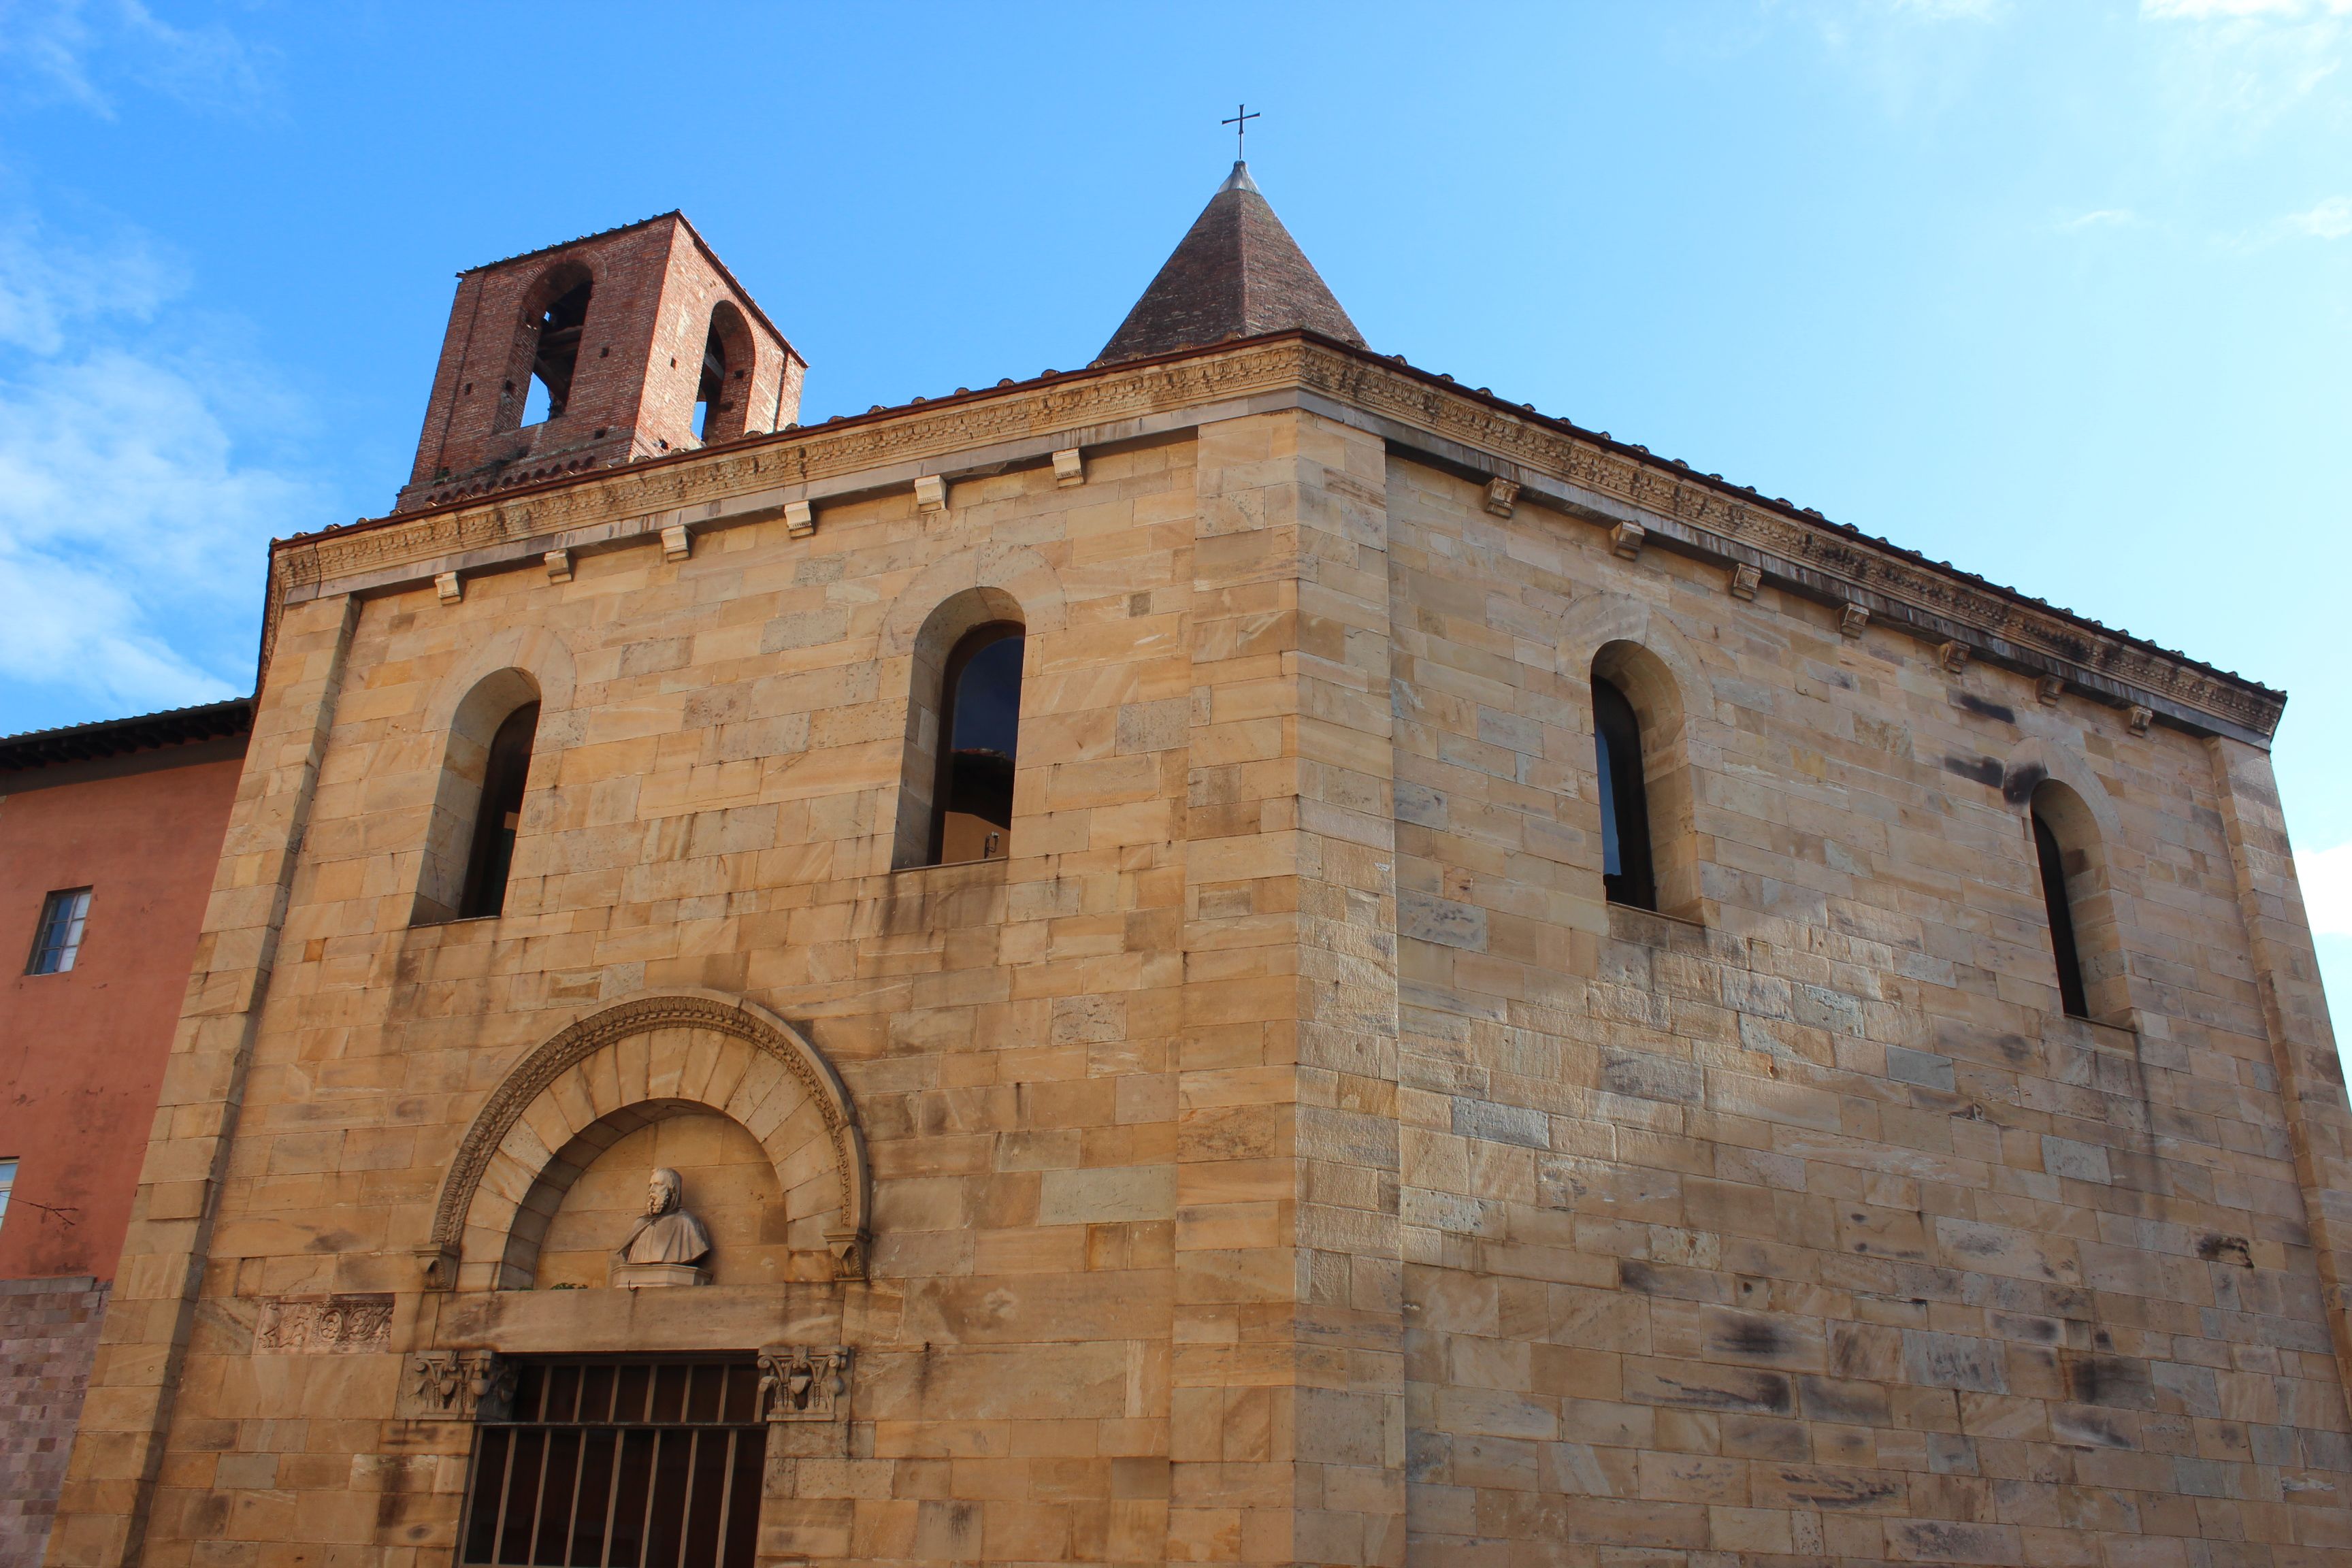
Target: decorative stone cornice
{"x": 1783, "y": 537}
{"x": 1549, "y": 461}
{"x": 917, "y": 434}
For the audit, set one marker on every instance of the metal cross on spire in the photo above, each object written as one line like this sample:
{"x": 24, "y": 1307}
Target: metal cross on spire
{"x": 1240, "y": 123}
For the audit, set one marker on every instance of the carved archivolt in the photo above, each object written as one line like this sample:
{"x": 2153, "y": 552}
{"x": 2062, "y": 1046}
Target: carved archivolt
{"x": 643, "y": 1058}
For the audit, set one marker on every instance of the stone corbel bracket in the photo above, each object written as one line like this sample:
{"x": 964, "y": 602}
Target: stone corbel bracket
{"x": 1579, "y": 473}
{"x": 437, "y": 1266}
{"x": 800, "y": 1383}
{"x": 849, "y": 1246}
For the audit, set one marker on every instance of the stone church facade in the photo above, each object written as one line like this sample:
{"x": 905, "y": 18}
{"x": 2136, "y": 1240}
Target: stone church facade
{"x": 1526, "y": 1004}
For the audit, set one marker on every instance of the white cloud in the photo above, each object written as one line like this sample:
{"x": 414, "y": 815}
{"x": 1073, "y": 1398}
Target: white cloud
{"x": 2327, "y": 878}
{"x": 2104, "y": 217}
{"x": 62, "y": 50}
{"x": 1917, "y": 58}
{"x": 2233, "y": 71}
{"x": 2328, "y": 220}
{"x": 42, "y": 42}
{"x": 2233, "y": 10}
{"x": 134, "y": 529}
{"x": 1950, "y": 10}
{"x": 47, "y": 281}
{"x": 2331, "y": 219}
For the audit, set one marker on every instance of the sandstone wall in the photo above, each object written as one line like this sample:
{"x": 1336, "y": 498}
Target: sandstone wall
{"x": 712, "y": 807}
{"x": 1811, "y": 1227}
{"x": 1286, "y": 1154}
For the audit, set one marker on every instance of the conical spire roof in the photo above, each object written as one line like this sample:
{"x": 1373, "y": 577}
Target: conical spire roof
{"x": 1236, "y": 273}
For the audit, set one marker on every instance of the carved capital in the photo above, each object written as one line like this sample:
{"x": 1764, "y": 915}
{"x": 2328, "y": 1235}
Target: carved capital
{"x": 2049, "y": 688}
{"x": 1953, "y": 656}
{"x": 1069, "y": 467}
{"x": 676, "y": 543}
{"x": 1745, "y": 581}
{"x": 2139, "y": 719}
{"x": 932, "y": 494}
{"x": 1626, "y": 540}
{"x": 800, "y": 519}
{"x": 804, "y": 1384}
{"x": 445, "y": 584}
{"x": 848, "y": 1248}
{"x": 1852, "y": 620}
{"x": 456, "y": 1386}
{"x": 1502, "y": 495}
{"x": 558, "y": 565}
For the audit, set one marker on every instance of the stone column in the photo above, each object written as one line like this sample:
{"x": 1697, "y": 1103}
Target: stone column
{"x": 110, "y": 1484}
{"x": 1286, "y": 1436}
{"x": 2295, "y": 1013}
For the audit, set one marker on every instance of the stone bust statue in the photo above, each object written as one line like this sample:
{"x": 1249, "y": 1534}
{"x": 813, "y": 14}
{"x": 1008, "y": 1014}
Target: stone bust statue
{"x": 667, "y": 1232}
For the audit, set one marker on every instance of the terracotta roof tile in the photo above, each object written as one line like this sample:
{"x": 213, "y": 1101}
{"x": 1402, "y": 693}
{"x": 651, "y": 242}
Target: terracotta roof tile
{"x": 1236, "y": 274}
{"x": 115, "y": 737}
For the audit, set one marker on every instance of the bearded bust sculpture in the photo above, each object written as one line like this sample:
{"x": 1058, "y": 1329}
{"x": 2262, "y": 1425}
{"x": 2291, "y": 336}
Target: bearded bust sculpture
{"x": 667, "y": 1244}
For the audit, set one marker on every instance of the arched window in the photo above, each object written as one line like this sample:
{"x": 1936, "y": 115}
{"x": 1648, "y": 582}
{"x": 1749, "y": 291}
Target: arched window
{"x": 1625, "y": 866}
{"x": 470, "y": 839}
{"x": 2061, "y": 920}
{"x": 1649, "y": 834}
{"x": 2086, "y": 943}
{"x": 980, "y": 720}
{"x": 721, "y": 395}
{"x": 964, "y": 732}
{"x": 499, "y": 815}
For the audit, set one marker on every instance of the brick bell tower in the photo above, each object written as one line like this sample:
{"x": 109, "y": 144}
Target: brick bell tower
{"x": 625, "y": 345}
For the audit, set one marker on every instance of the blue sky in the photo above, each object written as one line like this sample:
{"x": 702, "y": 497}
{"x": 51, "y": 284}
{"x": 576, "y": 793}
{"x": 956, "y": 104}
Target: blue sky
{"x": 2055, "y": 291}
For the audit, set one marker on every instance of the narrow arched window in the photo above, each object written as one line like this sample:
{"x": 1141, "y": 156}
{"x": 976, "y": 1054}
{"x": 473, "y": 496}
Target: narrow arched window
{"x": 2071, "y": 996}
{"x": 1626, "y": 870}
{"x": 555, "y": 332}
{"x": 979, "y": 736}
{"x": 491, "y": 860}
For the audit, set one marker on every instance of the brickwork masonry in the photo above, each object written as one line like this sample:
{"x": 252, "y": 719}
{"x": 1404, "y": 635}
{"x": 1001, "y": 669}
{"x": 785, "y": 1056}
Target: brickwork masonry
{"x": 48, "y": 1332}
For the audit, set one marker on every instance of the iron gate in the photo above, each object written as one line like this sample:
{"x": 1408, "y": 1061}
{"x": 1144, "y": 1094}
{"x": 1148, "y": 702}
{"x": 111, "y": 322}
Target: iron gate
{"x": 620, "y": 1464}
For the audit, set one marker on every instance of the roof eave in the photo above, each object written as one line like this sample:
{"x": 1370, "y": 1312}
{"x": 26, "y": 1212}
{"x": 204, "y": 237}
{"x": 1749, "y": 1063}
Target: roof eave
{"x": 1731, "y": 492}
{"x": 70, "y": 743}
